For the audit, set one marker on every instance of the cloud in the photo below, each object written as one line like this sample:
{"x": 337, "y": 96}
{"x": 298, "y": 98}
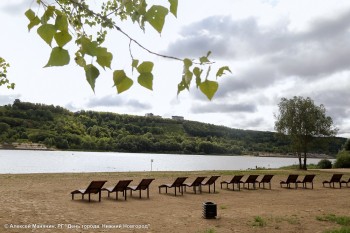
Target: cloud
{"x": 16, "y": 7}
{"x": 8, "y": 99}
{"x": 117, "y": 101}
{"x": 223, "y": 108}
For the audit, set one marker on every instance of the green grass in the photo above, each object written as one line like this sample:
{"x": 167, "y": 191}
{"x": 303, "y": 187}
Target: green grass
{"x": 211, "y": 230}
{"x": 259, "y": 222}
{"x": 341, "y": 220}
{"x": 341, "y": 230}
{"x": 296, "y": 167}
{"x": 344, "y": 221}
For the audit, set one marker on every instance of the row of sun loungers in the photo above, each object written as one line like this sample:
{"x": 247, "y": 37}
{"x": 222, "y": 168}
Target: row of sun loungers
{"x": 96, "y": 187}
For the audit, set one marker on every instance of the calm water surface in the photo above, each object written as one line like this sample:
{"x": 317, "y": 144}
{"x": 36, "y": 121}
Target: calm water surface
{"x": 26, "y": 161}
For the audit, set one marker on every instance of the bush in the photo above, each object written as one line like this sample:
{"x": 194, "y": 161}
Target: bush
{"x": 347, "y": 145}
{"x": 343, "y": 160}
{"x": 324, "y": 164}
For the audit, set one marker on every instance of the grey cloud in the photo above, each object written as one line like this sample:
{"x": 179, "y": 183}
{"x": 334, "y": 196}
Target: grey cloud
{"x": 223, "y": 108}
{"x": 8, "y": 99}
{"x": 16, "y": 7}
{"x": 116, "y": 101}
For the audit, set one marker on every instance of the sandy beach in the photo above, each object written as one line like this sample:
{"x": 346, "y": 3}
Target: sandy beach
{"x": 42, "y": 203}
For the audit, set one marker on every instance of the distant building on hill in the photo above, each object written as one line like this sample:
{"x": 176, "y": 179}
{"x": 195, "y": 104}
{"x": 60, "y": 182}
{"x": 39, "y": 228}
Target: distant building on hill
{"x": 178, "y": 118}
{"x": 152, "y": 115}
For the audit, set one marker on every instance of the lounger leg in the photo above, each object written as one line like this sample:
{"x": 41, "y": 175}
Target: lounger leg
{"x": 124, "y": 193}
{"x": 214, "y": 187}
{"x": 175, "y": 190}
{"x": 72, "y": 196}
{"x": 99, "y": 196}
{"x": 82, "y": 196}
{"x": 89, "y": 197}
{"x": 140, "y": 193}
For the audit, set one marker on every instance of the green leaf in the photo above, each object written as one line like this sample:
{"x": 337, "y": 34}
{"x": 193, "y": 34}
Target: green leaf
{"x": 47, "y": 32}
{"x": 121, "y": 81}
{"x": 34, "y": 20}
{"x": 156, "y": 17}
{"x": 134, "y": 64}
{"x": 145, "y": 67}
{"x": 104, "y": 58}
{"x": 146, "y": 77}
{"x": 61, "y": 22}
{"x": 91, "y": 73}
{"x": 222, "y": 70}
{"x": 173, "y": 7}
{"x": 186, "y": 73}
{"x": 203, "y": 60}
{"x": 180, "y": 87}
{"x": 48, "y": 14}
{"x": 209, "y": 88}
{"x": 146, "y": 80}
{"x": 88, "y": 47}
{"x": 30, "y": 14}
{"x": 198, "y": 72}
{"x": 62, "y": 38}
{"x": 80, "y": 61}
{"x": 58, "y": 57}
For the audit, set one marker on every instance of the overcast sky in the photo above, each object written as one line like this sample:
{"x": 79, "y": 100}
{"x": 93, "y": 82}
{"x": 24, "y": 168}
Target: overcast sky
{"x": 274, "y": 48}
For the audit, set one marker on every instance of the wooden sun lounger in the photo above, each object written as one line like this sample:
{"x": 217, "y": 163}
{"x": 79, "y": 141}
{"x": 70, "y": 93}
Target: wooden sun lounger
{"x": 197, "y": 183}
{"x": 121, "y": 186}
{"x": 210, "y": 181}
{"x": 94, "y": 187}
{"x": 251, "y": 180}
{"x": 291, "y": 179}
{"x": 307, "y": 179}
{"x": 235, "y": 180}
{"x": 143, "y": 185}
{"x": 178, "y": 183}
{"x": 266, "y": 179}
{"x": 335, "y": 179}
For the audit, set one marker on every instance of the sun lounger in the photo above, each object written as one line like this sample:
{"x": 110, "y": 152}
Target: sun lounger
{"x": 291, "y": 179}
{"x": 307, "y": 179}
{"x": 178, "y": 183}
{"x": 121, "y": 186}
{"x": 335, "y": 179}
{"x": 345, "y": 182}
{"x": 94, "y": 187}
{"x": 143, "y": 185}
{"x": 210, "y": 181}
{"x": 235, "y": 180}
{"x": 265, "y": 179}
{"x": 251, "y": 180}
{"x": 197, "y": 183}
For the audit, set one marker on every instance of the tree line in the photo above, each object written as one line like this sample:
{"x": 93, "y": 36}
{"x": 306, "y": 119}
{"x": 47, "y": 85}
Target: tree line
{"x": 60, "y": 128}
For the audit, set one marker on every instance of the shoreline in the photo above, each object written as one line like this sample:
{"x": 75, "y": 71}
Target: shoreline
{"x": 41, "y": 147}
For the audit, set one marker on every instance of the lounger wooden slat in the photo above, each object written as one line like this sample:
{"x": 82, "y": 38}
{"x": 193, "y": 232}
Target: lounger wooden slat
{"x": 235, "y": 180}
{"x": 177, "y": 184}
{"x": 143, "y": 185}
{"x": 266, "y": 180}
{"x": 335, "y": 179}
{"x": 251, "y": 180}
{"x": 307, "y": 179}
{"x": 121, "y": 186}
{"x": 210, "y": 181}
{"x": 94, "y": 187}
{"x": 291, "y": 179}
{"x": 197, "y": 183}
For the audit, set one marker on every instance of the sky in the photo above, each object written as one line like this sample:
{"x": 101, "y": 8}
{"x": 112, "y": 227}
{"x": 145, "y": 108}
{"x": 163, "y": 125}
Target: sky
{"x": 275, "y": 49}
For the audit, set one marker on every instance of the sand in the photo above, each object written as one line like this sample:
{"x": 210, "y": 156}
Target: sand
{"x": 42, "y": 203}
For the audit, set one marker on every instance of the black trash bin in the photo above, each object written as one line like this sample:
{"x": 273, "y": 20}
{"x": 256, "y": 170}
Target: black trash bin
{"x": 209, "y": 210}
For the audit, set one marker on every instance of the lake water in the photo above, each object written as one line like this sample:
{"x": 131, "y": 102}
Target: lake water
{"x": 26, "y": 161}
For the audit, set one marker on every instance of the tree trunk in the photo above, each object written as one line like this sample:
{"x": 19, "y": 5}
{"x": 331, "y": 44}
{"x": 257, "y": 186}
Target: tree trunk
{"x": 304, "y": 166}
{"x": 300, "y": 164}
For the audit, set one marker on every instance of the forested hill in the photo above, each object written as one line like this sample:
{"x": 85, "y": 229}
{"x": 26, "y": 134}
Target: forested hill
{"x": 59, "y": 128}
